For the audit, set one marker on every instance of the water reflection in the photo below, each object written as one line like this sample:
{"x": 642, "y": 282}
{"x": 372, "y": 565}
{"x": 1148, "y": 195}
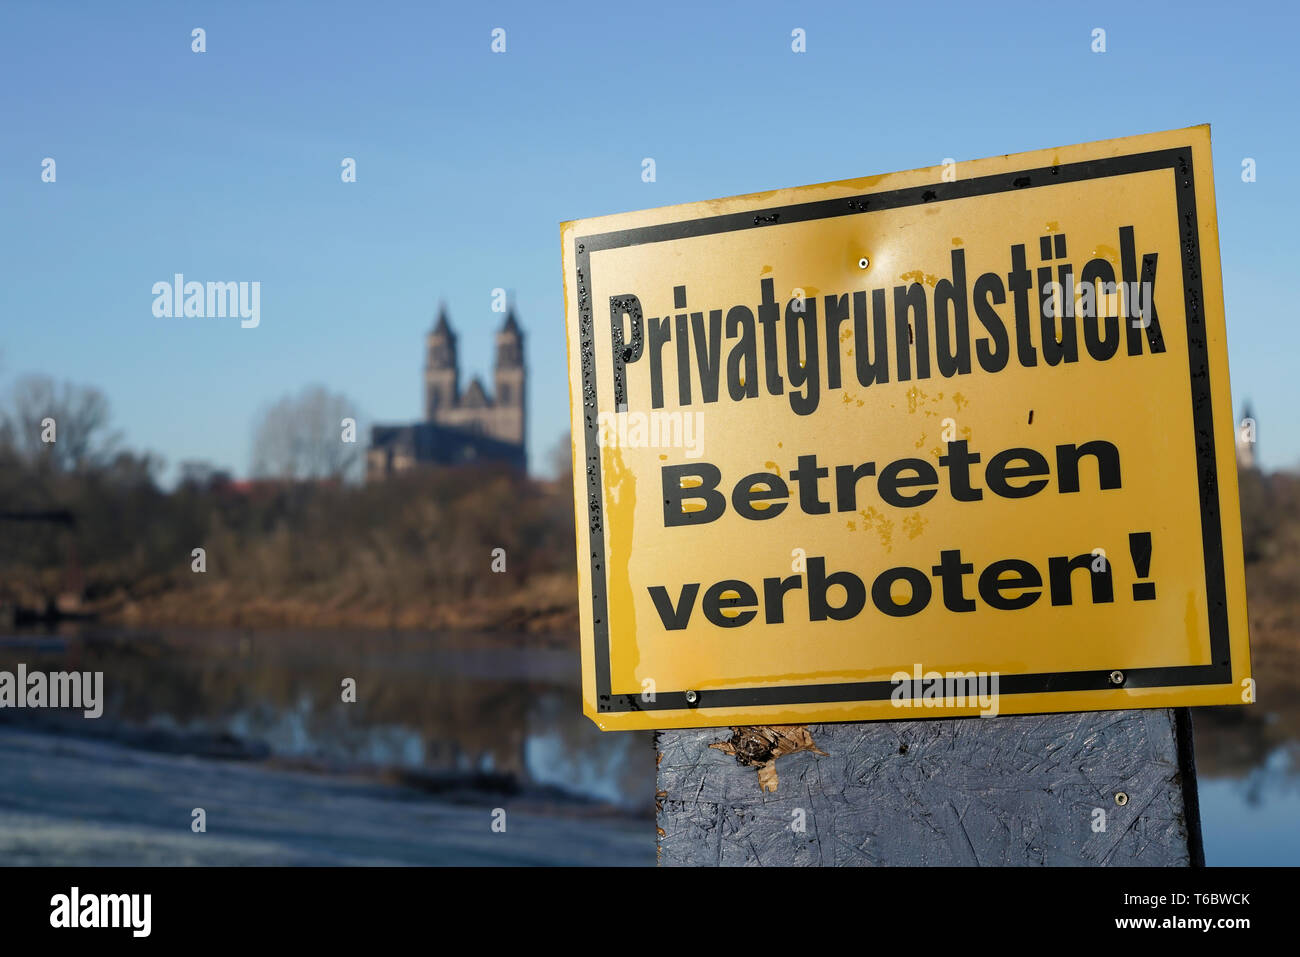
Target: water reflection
{"x": 433, "y": 703}
{"x": 1253, "y": 820}
{"x": 1248, "y": 770}
{"x": 430, "y": 705}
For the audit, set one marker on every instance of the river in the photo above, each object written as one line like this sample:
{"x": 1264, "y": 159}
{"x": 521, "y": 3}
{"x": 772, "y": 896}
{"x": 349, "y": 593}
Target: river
{"x": 450, "y": 727}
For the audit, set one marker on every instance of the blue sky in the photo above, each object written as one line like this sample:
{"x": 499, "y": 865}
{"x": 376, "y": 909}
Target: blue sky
{"x": 225, "y": 166}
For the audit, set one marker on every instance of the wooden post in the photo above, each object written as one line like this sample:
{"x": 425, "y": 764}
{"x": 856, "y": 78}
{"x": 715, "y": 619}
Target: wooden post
{"x": 1111, "y": 787}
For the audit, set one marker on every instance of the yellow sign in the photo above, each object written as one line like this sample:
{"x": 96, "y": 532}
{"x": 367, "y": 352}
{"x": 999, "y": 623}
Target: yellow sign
{"x": 951, "y": 441}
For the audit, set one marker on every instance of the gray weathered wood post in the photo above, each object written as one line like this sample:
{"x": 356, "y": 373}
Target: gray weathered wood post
{"x": 1111, "y": 787}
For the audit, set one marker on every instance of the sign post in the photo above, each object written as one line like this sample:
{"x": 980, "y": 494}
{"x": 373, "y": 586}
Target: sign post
{"x": 1099, "y": 788}
{"x": 940, "y": 444}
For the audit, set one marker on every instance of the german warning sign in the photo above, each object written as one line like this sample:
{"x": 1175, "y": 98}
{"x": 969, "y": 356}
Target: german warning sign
{"x": 946, "y": 442}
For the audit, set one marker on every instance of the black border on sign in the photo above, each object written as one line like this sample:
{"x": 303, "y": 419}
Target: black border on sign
{"x": 1179, "y": 161}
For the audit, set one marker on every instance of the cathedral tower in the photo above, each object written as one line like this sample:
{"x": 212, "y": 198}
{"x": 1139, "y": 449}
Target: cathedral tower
{"x": 441, "y": 373}
{"x": 460, "y": 428}
{"x": 509, "y": 381}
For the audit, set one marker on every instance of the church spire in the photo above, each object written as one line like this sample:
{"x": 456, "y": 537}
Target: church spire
{"x": 442, "y": 326}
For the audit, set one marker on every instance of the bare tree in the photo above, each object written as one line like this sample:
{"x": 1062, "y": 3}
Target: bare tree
{"x": 560, "y": 458}
{"x": 304, "y": 437}
{"x": 64, "y": 427}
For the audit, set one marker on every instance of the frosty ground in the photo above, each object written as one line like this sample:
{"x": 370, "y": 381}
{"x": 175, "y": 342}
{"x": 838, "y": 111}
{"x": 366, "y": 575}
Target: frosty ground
{"x": 72, "y": 801}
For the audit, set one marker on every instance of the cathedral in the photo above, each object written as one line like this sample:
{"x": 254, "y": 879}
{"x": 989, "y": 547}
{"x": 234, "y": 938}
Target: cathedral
{"x": 459, "y": 427}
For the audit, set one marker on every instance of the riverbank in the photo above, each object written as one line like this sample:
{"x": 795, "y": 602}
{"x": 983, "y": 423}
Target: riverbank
{"x": 543, "y": 605}
{"x": 437, "y": 549}
{"x": 67, "y": 801}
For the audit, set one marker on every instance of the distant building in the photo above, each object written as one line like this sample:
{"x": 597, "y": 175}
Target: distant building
{"x": 204, "y": 475}
{"x": 459, "y": 427}
{"x": 1247, "y": 440}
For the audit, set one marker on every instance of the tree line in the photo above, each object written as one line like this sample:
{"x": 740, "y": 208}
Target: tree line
{"x": 304, "y": 534}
